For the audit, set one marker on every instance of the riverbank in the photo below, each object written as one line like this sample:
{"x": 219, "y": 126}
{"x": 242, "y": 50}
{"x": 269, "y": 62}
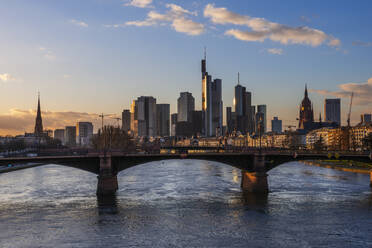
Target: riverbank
{"x": 343, "y": 165}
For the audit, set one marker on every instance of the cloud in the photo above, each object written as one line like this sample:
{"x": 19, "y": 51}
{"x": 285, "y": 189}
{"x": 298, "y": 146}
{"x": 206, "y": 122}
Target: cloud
{"x": 6, "y": 77}
{"x": 262, "y": 29}
{"x": 361, "y": 43}
{"x": 177, "y": 17}
{"x": 277, "y": 51}
{"x": 47, "y": 53}
{"x": 139, "y": 3}
{"x": 362, "y": 92}
{"x": 18, "y": 121}
{"x": 79, "y": 23}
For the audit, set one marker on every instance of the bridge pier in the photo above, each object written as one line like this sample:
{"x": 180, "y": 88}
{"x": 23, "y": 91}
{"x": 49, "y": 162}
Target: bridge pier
{"x": 256, "y": 182}
{"x": 370, "y": 178}
{"x": 107, "y": 181}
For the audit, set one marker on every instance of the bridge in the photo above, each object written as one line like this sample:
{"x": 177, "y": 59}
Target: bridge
{"x": 253, "y": 164}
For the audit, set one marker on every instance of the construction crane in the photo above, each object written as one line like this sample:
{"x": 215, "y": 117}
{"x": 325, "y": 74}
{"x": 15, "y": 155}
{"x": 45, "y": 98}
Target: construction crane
{"x": 349, "y": 114}
{"x": 103, "y": 116}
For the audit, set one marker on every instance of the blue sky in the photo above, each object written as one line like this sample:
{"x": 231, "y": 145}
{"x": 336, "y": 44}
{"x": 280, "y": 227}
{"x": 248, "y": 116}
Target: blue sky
{"x": 93, "y": 56}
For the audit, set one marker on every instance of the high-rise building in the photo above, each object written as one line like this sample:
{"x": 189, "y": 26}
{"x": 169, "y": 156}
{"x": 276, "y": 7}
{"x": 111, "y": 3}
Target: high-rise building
{"x": 173, "y": 124}
{"x": 366, "y": 118}
{"x": 229, "y": 120}
{"x": 244, "y": 119}
{"x": 197, "y": 122}
{"x": 262, "y": 109}
{"x": 84, "y": 133}
{"x": 276, "y": 125}
{"x": 260, "y": 126}
{"x": 211, "y": 103}
{"x": 162, "y": 119}
{"x": 332, "y": 110}
{"x": 59, "y": 134}
{"x": 185, "y": 106}
{"x": 125, "y": 120}
{"x": 39, "y": 122}
{"x": 70, "y": 136}
{"x": 143, "y": 121}
{"x": 306, "y": 119}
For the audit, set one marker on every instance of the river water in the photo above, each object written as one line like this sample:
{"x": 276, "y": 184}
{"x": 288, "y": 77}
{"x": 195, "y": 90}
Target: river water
{"x": 185, "y": 203}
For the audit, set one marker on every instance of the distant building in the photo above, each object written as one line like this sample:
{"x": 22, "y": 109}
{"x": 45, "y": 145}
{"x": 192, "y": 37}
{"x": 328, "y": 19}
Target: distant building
{"x": 162, "y": 119}
{"x": 173, "y": 124}
{"x": 70, "y": 136}
{"x": 243, "y": 119}
{"x": 211, "y": 103}
{"x": 306, "y": 118}
{"x": 366, "y": 118}
{"x": 59, "y": 134}
{"x": 332, "y": 110}
{"x": 143, "y": 121}
{"x": 84, "y": 133}
{"x": 276, "y": 125}
{"x": 260, "y": 126}
{"x": 262, "y": 109}
{"x": 125, "y": 120}
{"x": 197, "y": 122}
{"x": 38, "y": 122}
{"x": 185, "y": 106}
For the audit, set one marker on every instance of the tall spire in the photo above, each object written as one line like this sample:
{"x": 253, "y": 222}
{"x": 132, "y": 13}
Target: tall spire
{"x": 205, "y": 53}
{"x": 306, "y": 95}
{"x": 39, "y": 122}
{"x": 238, "y": 78}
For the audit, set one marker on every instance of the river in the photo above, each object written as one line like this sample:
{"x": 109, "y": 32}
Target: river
{"x": 185, "y": 203}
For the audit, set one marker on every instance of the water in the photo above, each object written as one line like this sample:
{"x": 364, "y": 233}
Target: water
{"x": 185, "y": 203}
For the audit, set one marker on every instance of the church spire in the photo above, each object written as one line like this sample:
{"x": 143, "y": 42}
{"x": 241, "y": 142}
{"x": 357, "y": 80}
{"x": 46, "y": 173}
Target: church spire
{"x": 306, "y": 95}
{"x": 39, "y": 122}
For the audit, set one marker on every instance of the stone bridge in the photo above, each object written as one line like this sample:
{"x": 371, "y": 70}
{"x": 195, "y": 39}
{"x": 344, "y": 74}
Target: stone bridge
{"x": 254, "y": 165}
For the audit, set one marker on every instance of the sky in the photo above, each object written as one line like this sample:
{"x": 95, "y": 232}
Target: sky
{"x": 96, "y": 56}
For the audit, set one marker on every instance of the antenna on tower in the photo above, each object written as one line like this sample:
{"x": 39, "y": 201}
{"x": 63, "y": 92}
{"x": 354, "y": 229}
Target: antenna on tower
{"x": 238, "y": 78}
{"x": 205, "y": 53}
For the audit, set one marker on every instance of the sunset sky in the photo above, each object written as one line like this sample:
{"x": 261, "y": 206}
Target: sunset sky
{"x": 94, "y": 56}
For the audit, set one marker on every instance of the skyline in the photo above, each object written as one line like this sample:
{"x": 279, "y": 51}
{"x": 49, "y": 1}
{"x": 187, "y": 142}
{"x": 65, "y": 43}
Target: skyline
{"x": 83, "y": 67}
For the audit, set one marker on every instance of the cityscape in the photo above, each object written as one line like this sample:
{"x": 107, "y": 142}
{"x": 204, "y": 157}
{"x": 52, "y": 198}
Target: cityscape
{"x": 146, "y": 123}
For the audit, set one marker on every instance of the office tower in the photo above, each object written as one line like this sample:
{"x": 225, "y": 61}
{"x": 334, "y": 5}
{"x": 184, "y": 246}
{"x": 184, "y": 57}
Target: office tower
{"x": 332, "y": 110}
{"x": 125, "y": 120}
{"x": 211, "y": 103}
{"x": 173, "y": 124}
{"x": 59, "y": 134}
{"x": 143, "y": 121}
{"x": 84, "y": 133}
{"x": 262, "y": 109}
{"x": 366, "y": 118}
{"x": 70, "y": 135}
{"x": 260, "y": 124}
{"x": 197, "y": 122}
{"x": 162, "y": 119}
{"x": 185, "y": 106}
{"x": 276, "y": 125}
{"x": 38, "y": 122}
{"x": 229, "y": 120}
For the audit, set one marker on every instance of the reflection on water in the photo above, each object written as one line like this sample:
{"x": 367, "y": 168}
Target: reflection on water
{"x": 185, "y": 204}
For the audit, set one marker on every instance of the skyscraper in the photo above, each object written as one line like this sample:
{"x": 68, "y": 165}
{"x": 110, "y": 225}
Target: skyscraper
{"x": 162, "y": 119}
{"x": 332, "y": 110}
{"x": 185, "y": 107}
{"x": 39, "y": 122}
{"x": 173, "y": 124}
{"x": 244, "y": 119}
{"x": 70, "y": 135}
{"x": 262, "y": 109}
{"x": 59, "y": 134}
{"x": 143, "y": 111}
{"x": 211, "y": 102}
{"x": 84, "y": 133}
{"x": 125, "y": 120}
{"x": 276, "y": 125}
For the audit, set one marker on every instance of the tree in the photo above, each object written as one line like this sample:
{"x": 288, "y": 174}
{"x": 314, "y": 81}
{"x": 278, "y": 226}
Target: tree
{"x": 112, "y": 138}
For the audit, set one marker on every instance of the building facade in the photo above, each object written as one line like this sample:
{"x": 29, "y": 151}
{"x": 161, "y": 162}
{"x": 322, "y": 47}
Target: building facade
{"x": 162, "y": 119}
{"x": 84, "y": 133}
{"x": 125, "y": 120}
{"x": 306, "y": 115}
{"x": 276, "y": 125}
{"x": 70, "y": 136}
{"x": 262, "y": 109}
{"x": 332, "y": 110}
{"x": 185, "y": 106}
{"x": 59, "y": 134}
{"x": 143, "y": 116}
